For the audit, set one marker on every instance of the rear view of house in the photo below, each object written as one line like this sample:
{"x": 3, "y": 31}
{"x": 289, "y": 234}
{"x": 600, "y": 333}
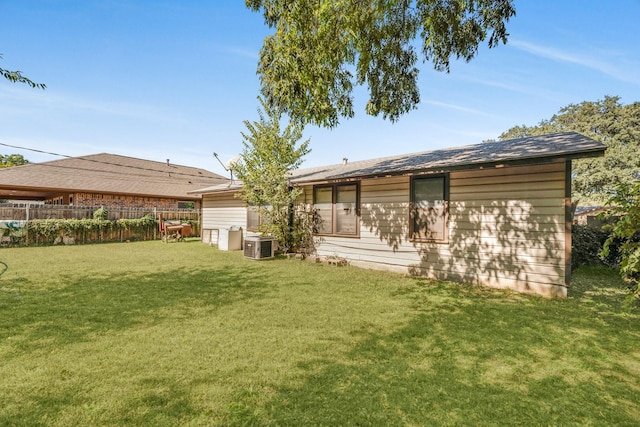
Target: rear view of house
{"x": 496, "y": 214}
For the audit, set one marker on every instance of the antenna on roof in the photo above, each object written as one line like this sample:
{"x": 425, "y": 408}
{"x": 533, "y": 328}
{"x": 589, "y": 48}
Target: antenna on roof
{"x": 230, "y": 163}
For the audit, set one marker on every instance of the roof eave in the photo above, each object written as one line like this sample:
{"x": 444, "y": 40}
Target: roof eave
{"x": 596, "y": 152}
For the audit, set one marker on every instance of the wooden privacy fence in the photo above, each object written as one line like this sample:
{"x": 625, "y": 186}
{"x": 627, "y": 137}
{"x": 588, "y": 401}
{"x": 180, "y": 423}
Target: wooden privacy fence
{"x": 37, "y": 224}
{"x": 27, "y": 211}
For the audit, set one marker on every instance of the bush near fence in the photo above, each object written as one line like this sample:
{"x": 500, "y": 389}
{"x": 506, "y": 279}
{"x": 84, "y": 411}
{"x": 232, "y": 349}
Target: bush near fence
{"x": 587, "y": 243}
{"x": 52, "y": 224}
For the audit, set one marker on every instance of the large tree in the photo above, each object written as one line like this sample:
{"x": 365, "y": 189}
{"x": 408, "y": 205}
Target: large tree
{"x": 607, "y": 121}
{"x": 17, "y": 77}
{"x": 269, "y": 154}
{"x": 322, "y": 49}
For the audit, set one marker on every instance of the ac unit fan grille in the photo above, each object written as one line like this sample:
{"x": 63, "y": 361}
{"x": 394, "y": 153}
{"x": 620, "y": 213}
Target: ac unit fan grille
{"x": 265, "y": 249}
{"x": 258, "y": 248}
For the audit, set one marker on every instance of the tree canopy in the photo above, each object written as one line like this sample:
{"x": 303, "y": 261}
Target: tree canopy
{"x": 322, "y": 49}
{"x": 618, "y": 126}
{"x": 10, "y": 160}
{"x": 17, "y": 77}
{"x": 268, "y": 154}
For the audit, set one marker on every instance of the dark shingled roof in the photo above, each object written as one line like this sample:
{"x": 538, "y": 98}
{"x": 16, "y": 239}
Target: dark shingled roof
{"x": 587, "y": 209}
{"x": 569, "y": 144}
{"x": 107, "y": 174}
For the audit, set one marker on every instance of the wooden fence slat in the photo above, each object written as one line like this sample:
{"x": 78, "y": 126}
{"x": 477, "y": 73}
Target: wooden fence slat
{"x": 17, "y": 211}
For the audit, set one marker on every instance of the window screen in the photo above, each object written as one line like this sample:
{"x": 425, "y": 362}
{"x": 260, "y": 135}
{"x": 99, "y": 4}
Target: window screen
{"x": 429, "y": 212}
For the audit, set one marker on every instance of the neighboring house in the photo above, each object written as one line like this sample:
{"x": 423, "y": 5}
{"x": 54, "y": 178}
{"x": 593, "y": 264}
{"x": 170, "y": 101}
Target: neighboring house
{"x": 496, "y": 214}
{"x": 107, "y": 180}
{"x": 588, "y": 215}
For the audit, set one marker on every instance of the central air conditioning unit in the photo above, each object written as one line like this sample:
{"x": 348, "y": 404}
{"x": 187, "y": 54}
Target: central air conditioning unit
{"x": 259, "y": 247}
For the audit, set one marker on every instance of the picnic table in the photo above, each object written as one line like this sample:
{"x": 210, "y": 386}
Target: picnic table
{"x": 173, "y": 230}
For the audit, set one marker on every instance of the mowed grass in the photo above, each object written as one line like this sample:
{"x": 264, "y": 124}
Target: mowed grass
{"x": 183, "y": 334}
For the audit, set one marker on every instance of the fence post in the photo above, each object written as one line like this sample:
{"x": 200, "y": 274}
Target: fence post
{"x": 26, "y": 225}
{"x": 155, "y": 216}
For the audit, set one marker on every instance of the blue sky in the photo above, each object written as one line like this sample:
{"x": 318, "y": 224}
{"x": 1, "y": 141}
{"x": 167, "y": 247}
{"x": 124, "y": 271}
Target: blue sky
{"x": 176, "y": 79}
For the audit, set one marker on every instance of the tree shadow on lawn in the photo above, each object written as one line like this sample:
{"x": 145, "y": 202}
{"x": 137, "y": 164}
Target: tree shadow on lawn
{"x": 161, "y": 401}
{"x": 48, "y": 318}
{"x": 601, "y": 288}
{"x": 469, "y": 358}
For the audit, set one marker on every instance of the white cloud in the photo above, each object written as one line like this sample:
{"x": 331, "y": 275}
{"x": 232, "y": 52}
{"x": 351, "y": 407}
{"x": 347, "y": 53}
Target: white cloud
{"x": 14, "y": 100}
{"x": 619, "y": 70}
{"x": 244, "y": 53}
{"x": 459, "y": 108}
{"x": 530, "y": 90}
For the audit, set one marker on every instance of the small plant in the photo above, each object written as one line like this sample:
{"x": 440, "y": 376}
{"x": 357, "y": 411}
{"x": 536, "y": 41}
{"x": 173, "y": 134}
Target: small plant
{"x": 301, "y": 231}
{"x": 101, "y": 213}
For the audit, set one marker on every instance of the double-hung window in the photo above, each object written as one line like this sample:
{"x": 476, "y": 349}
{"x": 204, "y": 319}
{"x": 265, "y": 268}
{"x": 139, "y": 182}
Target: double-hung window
{"x": 430, "y": 208}
{"x": 336, "y": 209}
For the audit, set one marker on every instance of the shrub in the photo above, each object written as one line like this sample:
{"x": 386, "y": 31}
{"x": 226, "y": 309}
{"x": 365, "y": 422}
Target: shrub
{"x": 587, "y": 243}
{"x": 101, "y": 213}
{"x": 47, "y": 231}
{"x": 625, "y": 206}
{"x": 301, "y": 231}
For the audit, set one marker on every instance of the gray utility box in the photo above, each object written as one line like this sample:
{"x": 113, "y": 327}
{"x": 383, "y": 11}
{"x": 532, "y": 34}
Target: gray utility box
{"x": 259, "y": 247}
{"x": 230, "y": 239}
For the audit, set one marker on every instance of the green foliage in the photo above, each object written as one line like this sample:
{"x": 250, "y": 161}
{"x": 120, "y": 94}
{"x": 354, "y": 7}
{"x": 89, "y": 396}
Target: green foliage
{"x": 607, "y": 121}
{"x": 47, "y": 231}
{"x": 17, "y": 77}
{"x": 586, "y": 247}
{"x": 625, "y": 205}
{"x": 301, "y": 230}
{"x": 10, "y": 160}
{"x": 101, "y": 213}
{"x": 268, "y": 155}
{"x": 137, "y": 224}
{"x": 307, "y": 66}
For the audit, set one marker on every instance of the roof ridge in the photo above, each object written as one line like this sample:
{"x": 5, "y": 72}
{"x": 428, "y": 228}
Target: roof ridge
{"x": 420, "y": 153}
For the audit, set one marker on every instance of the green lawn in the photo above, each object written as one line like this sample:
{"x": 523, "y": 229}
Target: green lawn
{"x": 182, "y": 334}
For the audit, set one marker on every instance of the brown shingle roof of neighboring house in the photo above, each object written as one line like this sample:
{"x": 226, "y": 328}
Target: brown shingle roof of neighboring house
{"x": 107, "y": 174}
{"x": 568, "y": 145}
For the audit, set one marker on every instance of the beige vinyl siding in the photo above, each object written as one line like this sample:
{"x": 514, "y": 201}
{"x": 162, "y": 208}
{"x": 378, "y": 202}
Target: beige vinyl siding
{"x": 384, "y": 228}
{"x": 506, "y": 229}
{"x": 220, "y": 211}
